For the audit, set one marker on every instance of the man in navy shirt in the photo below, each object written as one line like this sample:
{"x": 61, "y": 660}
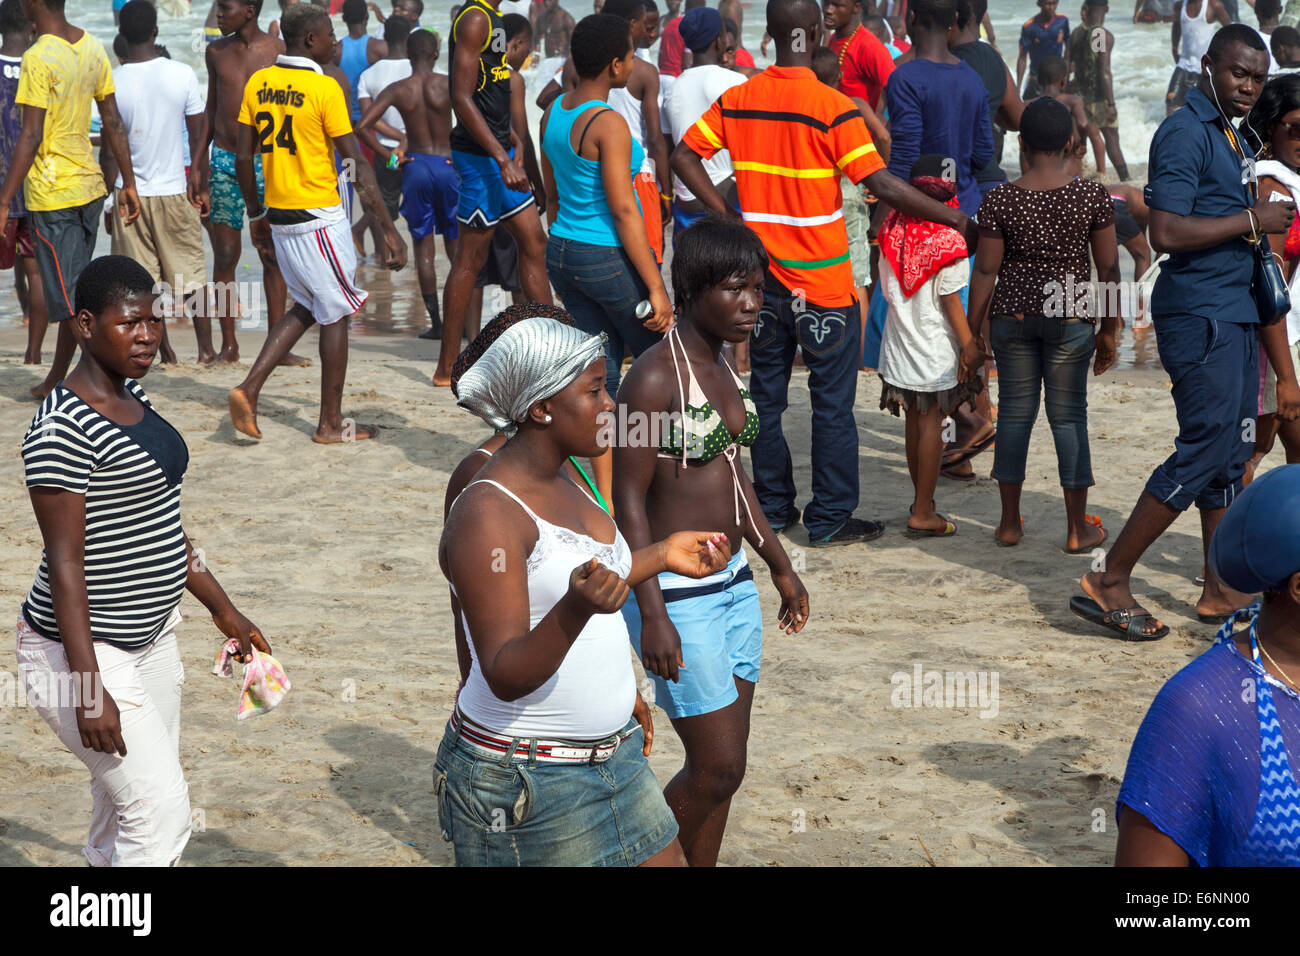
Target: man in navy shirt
{"x": 1206, "y": 328}
{"x": 1041, "y": 36}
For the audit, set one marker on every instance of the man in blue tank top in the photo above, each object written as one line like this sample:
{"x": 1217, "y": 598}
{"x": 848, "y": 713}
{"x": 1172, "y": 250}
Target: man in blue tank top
{"x": 495, "y": 188}
{"x": 358, "y": 50}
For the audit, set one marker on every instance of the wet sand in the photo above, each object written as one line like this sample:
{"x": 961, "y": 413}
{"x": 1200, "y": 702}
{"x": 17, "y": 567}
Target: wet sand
{"x": 331, "y": 550}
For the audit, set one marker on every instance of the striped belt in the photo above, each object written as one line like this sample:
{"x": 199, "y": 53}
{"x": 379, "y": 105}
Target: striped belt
{"x": 546, "y": 751}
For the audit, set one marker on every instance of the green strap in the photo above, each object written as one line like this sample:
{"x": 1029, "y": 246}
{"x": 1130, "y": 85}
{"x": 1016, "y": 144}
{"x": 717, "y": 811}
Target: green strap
{"x": 600, "y": 499}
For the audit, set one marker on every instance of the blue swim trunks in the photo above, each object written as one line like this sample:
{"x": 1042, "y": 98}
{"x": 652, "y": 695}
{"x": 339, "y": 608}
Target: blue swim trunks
{"x": 721, "y": 629}
{"x": 223, "y": 188}
{"x": 484, "y": 198}
{"x": 430, "y": 193}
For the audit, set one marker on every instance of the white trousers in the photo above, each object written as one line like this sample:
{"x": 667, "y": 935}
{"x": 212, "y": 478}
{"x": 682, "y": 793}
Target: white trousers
{"x": 141, "y": 813}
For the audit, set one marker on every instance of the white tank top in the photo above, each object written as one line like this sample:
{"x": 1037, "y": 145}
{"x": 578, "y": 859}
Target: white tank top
{"x": 629, "y": 107}
{"x": 592, "y": 694}
{"x": 1196, "y": 35}
{"x": 1270, "y": 167}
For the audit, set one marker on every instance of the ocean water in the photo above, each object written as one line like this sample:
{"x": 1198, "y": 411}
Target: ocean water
{"x": 1141, "y": 67}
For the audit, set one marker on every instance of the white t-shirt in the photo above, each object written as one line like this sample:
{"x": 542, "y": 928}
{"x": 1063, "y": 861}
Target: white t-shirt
{"x": 154, "y": 98}
{"x": 1268, "y": 39}
{"x": 919, "y": 349}
{"x": 690, "y": 98}
{"x": 374, "y": 81}
{"x": 514, "y": 6}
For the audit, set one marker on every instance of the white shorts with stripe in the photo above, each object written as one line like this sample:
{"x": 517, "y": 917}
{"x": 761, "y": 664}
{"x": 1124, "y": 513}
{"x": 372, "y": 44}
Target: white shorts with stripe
{"x": 318, "y": 262}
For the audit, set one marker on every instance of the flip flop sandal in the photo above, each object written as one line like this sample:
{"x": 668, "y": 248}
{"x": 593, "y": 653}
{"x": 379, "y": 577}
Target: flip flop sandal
{"x": 1123, "y": 621}
{"x": 957, "y": 456}
{"x": 1215, "y": 619}
{"x": 948, "y": 473}
{"x": 948, "y": 531}
{"x": 1095, "y": 521}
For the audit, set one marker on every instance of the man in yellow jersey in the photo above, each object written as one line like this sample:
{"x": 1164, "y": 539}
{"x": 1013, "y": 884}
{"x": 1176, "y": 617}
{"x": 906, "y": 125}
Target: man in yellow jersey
{"x": 295, "y": 116}
{"x": 61, "y": 72}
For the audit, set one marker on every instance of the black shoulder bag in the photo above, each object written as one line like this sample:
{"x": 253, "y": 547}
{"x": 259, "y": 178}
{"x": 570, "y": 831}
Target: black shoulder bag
{"x": 1272, "y": 298}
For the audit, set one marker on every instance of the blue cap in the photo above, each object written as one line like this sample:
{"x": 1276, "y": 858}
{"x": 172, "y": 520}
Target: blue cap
{"x": 700, "y": 27}
{"x": 1256, "y": 546}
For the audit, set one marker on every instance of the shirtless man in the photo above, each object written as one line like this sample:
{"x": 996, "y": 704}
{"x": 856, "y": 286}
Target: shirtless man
{"x": 242, "y": 50}
{"x": 555, "y": 25}
{"x": 430, "y": 185}
{"x": 1051, "y": 80}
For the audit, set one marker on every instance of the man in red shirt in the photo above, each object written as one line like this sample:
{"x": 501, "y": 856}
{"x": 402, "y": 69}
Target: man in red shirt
{"x": 865, "y": 64}
{"x": 671, "y": 45}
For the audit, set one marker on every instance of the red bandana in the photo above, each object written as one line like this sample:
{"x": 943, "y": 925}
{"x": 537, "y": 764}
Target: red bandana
{"x": 917, "y": 248}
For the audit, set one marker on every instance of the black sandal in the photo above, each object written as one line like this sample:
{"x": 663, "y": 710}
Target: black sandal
{"x": 1123, "y": 621}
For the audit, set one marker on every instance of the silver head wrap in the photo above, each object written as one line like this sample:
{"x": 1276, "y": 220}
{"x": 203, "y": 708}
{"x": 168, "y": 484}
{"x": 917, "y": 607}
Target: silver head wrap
{"x": 531, "y": 361}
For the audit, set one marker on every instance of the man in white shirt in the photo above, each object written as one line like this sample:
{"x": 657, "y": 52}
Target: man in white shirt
{"x": 161, "y": 106}
{"x": 390, "y": 129}
{"x": 691, "y": 95}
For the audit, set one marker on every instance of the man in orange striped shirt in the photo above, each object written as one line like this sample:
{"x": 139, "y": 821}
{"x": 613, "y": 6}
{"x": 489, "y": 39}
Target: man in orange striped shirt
{"x": 789, "y": 137}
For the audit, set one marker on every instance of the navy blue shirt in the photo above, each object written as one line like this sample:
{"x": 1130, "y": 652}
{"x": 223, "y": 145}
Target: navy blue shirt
{"x": 1042, "y": 41}
{"x": 940, "y": 108}
{"x": 1194, "y": 171}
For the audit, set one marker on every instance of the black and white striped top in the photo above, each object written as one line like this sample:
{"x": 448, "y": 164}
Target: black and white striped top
{"x": 135, "y": 547}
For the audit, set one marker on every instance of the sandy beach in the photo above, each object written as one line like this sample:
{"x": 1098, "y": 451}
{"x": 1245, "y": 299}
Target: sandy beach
{"x": 332, "y": 552}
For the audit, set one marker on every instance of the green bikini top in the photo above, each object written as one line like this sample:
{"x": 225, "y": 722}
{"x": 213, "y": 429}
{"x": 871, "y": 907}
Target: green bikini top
{"x": 706, "y": 434}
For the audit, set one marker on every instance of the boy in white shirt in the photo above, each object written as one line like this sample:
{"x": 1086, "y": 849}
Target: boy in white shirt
{"x": 160, "y": 100}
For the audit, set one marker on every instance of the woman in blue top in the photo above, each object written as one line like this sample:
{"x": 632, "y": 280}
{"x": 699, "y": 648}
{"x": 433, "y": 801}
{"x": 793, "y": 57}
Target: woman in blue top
{"x": 598, "y": 257}
{"x": 1209, "y": 780}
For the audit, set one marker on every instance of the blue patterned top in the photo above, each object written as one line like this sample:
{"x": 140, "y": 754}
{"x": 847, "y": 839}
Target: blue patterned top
{"x": 1209, "y": 766}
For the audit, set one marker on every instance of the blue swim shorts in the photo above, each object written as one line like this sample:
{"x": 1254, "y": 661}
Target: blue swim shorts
{"x": 721, "y": 629}
{"x": 223, "y": 188}
{"x": 484, "y": 198}
{"x": 430, "y": 191}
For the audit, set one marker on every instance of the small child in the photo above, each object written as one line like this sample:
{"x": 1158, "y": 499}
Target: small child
{"x": 923, "y": 270}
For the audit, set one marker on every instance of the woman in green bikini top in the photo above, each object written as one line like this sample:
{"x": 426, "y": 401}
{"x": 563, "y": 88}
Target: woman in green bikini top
{"x": 701, "y": 640}
{"x": 470, "y": 465}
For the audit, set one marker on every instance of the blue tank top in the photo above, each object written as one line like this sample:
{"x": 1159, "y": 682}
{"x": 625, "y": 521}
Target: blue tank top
{"x": 353, "y": 62}
{"x": 584, "y": 214}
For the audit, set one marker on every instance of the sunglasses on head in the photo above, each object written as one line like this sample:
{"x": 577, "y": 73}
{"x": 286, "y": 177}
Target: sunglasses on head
{"x": 1292, "y": 130}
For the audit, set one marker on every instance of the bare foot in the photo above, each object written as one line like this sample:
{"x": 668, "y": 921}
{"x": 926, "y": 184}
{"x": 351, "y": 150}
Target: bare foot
{"x": 928, "y": 522}
{"x": 40, "y": 391}
{"x": 350, "y": 432}
{"x": 1116, "y": 597}
{"x": 441, "y": 379}
{"x": 1217, "y": 599}
{"x": 168, "y": 357}
{"x": 243, "y": 412}
{"x": 207, "y": 357}
{"x": 295, "y": 360}
{"x": 1009, "y": 535}
{"x": 30, "y": 359}
{"x": 1092, "y": 536}
{"x": 225, "y": 357}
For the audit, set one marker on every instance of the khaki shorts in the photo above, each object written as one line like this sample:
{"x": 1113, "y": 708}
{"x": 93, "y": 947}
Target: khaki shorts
{"x": 1268, "y": 395}
{"x": 167, "y": 239}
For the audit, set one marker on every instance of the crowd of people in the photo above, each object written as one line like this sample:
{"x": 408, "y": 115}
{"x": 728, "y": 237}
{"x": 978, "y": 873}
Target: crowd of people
{"x": 843, "y": 209}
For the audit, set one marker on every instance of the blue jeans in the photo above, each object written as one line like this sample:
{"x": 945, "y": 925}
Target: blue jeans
{"x": 601, "y": 289}
{"x": 830, "y": 338}
{"x": 1213, "y": 366}
{"x": 505, "y": 811}
{"x": 1038, "y": 354}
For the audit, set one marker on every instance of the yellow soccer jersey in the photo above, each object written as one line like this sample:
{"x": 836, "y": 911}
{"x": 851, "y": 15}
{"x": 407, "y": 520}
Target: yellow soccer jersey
{"x": 295, "y": 111}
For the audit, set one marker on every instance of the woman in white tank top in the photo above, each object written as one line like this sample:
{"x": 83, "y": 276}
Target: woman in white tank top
{"x": 533, "y": 768}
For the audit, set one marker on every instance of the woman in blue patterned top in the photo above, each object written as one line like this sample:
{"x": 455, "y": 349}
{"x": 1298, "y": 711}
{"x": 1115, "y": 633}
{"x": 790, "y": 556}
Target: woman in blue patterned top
{"x": 1209, "y": 780}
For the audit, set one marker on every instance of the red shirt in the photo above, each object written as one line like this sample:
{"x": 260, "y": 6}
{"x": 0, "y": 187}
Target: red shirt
{"x": 865, "y": 67}
{"x": 671, "y": 46}
{"x": 744, "y": 58}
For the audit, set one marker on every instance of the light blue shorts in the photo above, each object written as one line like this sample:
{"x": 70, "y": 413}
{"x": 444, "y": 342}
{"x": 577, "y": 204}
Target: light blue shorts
{"x": 721, "y": 629}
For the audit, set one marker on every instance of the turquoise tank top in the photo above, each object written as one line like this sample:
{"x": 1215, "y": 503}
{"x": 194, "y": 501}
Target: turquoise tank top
{"x": 584, "y": 214}
{"x": 353, "y": 62}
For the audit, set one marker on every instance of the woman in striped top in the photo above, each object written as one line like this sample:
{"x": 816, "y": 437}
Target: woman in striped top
{"x": 96, "y": 636}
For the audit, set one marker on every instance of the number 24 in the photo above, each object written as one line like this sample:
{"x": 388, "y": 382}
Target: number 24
{"x": 283, "y": 139}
